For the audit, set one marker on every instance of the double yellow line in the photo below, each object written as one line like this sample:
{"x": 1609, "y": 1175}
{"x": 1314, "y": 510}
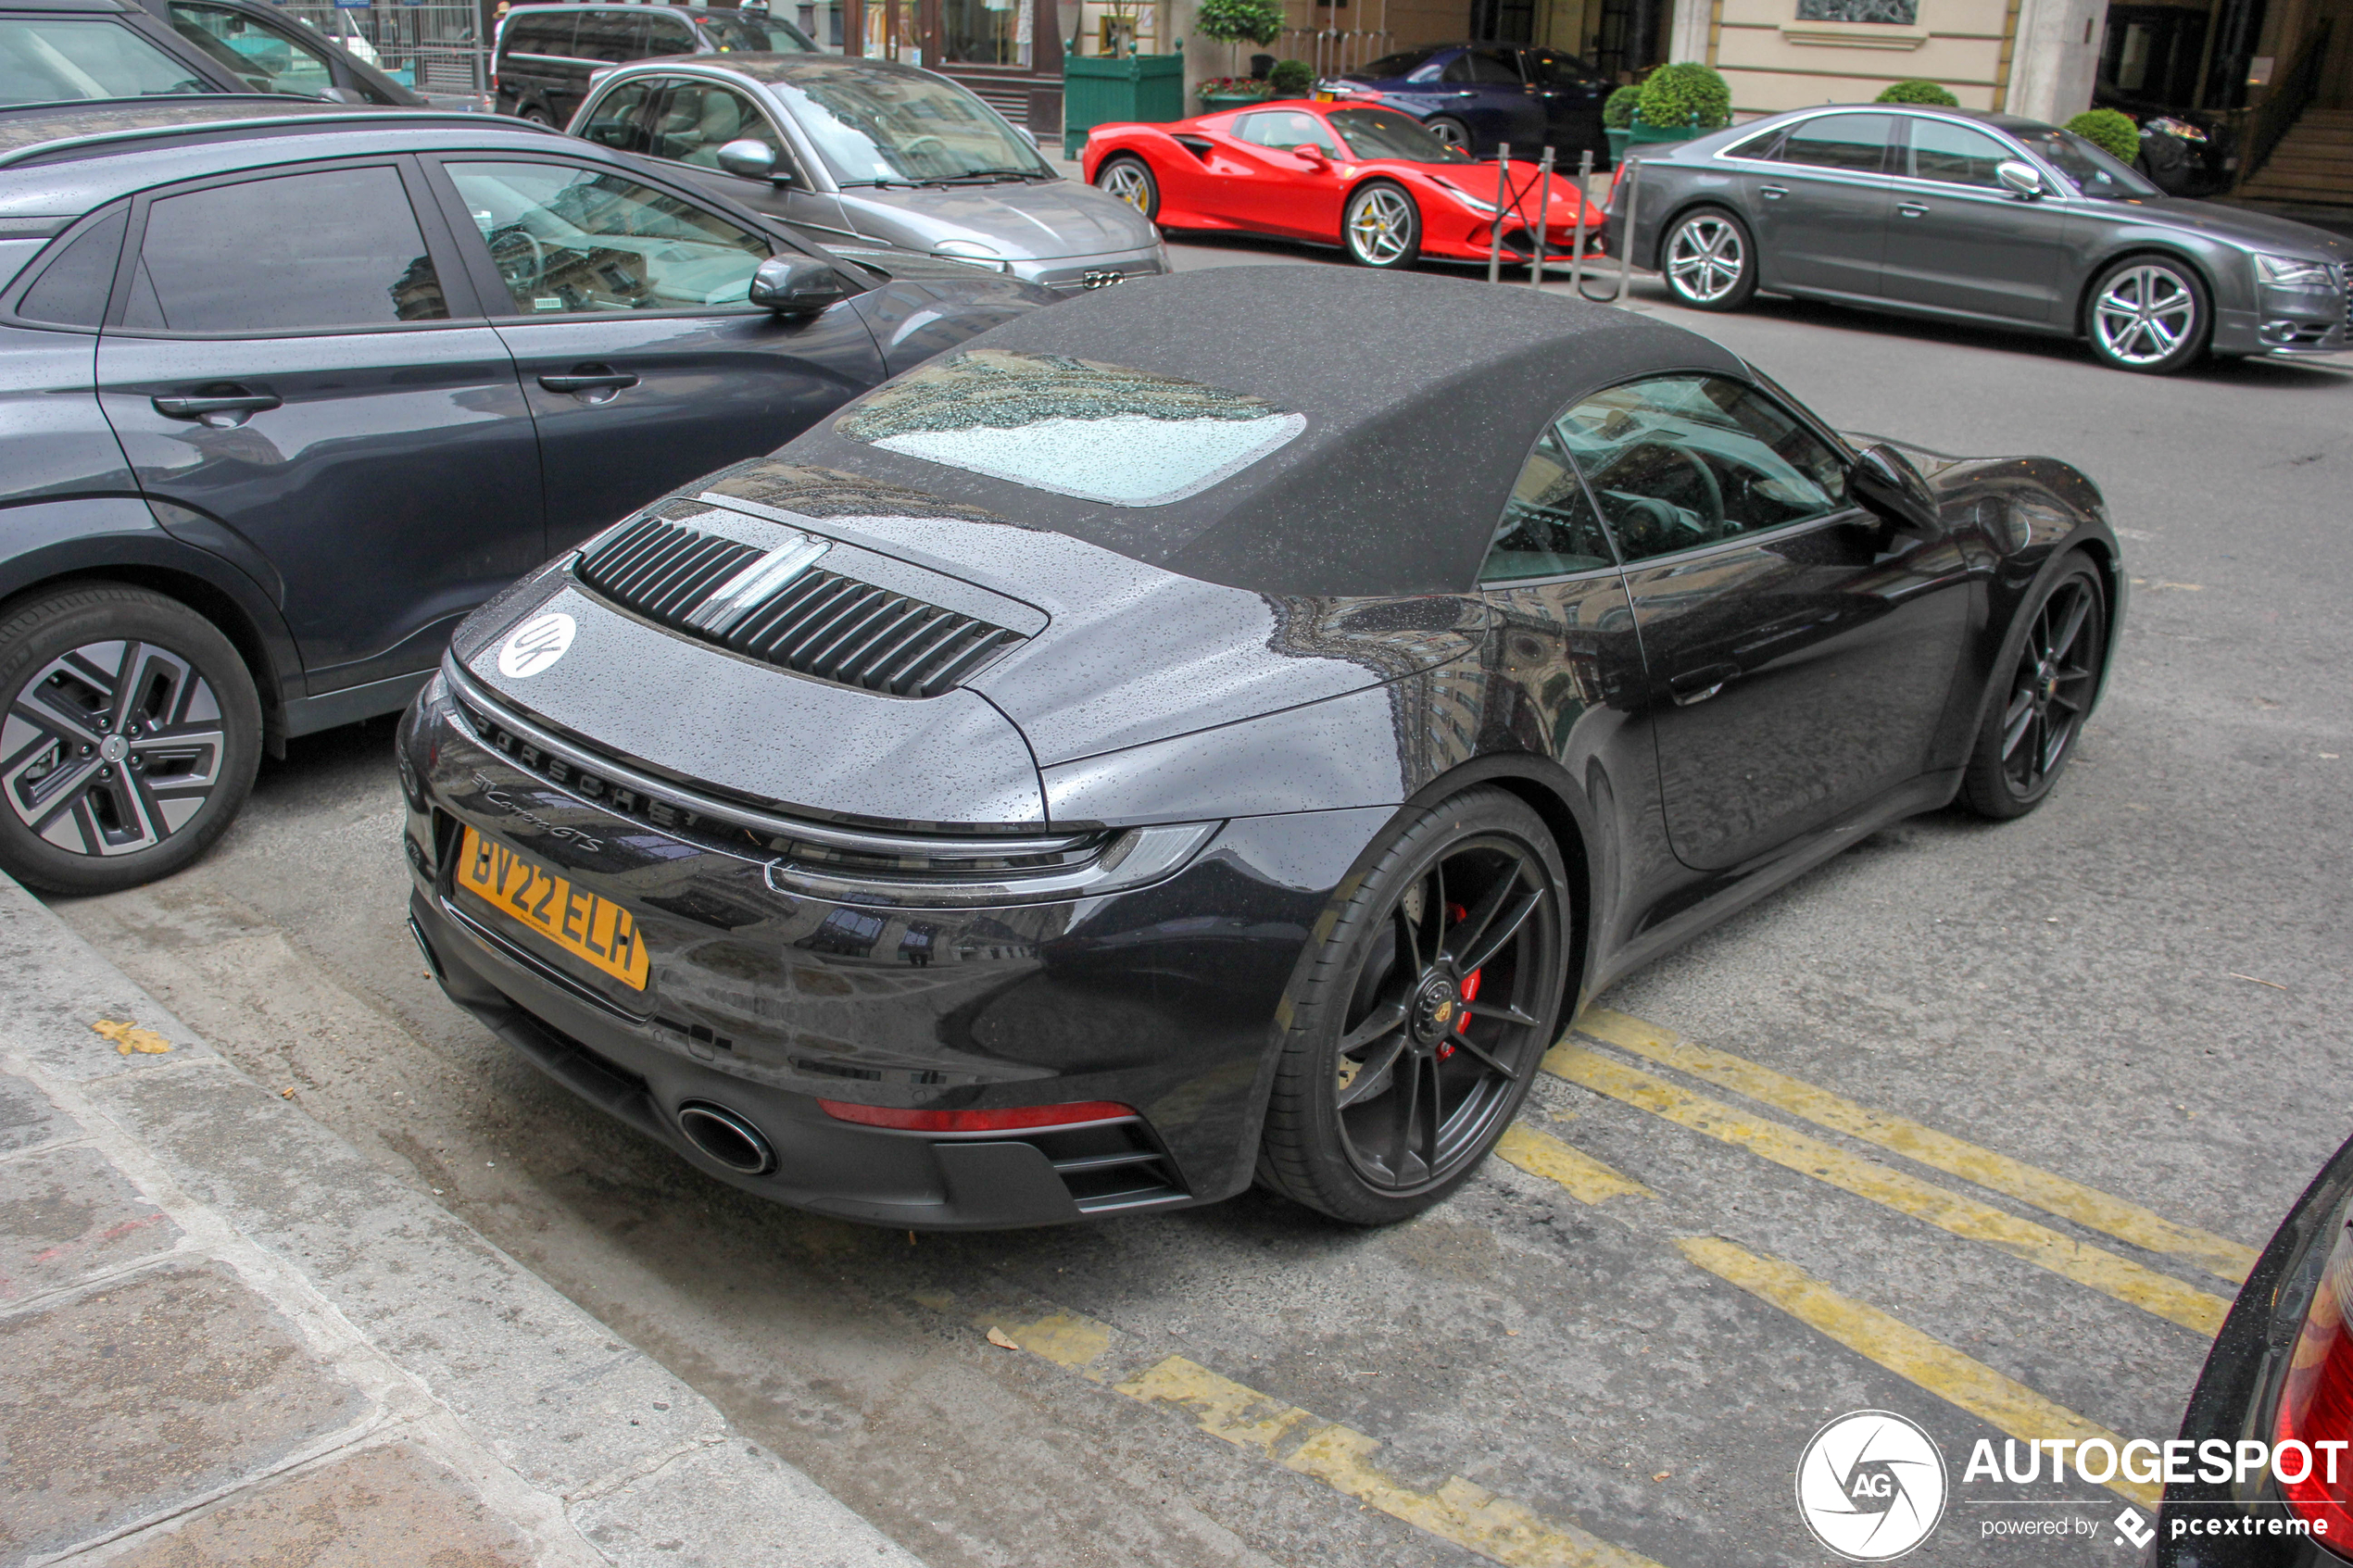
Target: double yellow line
{"x": 1961, "y": 1380}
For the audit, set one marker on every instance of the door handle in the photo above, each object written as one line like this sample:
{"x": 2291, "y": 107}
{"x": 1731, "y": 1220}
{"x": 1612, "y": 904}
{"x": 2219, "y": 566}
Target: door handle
{"x": 590, "y": 378}
{"x": 1698, "y": 685}
{"x": 222, "y": 411}
{"x": 1911, "y": 209}
{"x": 1772, "y": 192}
{"x": 1465, "y": 93}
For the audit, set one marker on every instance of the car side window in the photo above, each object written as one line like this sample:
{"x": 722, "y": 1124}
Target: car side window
{"x": 618, "y": 120}
{"x": 272, "y": 61}
{"x": 666, "y": 35}
{"x": 1681, "y": 461}
{"x": 1956, "y": 155}
{"x": 1286, "y": 129}
{"x": 1841, "y": 141}
{"x": 1549, "y": 528}
{"x": 1551, "y": 68}
{"x": 72, "y": 290}
{"x": 547, "y": 33}
{"x": 1483, "y": 65}
{"x": 293, "y": 252}
{"x": 47, "y": 60}
{"x": 568, "y": 240}
{"x": 696, "y": 119}
{"x": 608, "y": 36}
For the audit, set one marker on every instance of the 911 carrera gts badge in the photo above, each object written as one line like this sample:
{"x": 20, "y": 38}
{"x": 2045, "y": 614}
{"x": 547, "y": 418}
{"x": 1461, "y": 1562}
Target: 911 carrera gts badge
{"x": 1072, "y": 427}
{"x": 534, "y": 645}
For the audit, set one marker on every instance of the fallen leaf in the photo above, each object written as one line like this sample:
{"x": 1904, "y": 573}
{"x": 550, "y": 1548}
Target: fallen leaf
{"x": 1662, "y": 1475}
{"x": 129, "y": 1037}
{"x": 1002, "y": 1340}
{"x": 285, "y": 1094}
{"x": 2254, "y": 980}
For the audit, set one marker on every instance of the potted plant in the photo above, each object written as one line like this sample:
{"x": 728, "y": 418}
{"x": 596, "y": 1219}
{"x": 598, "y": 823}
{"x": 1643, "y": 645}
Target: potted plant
{"x": 1679, "y": 102}
{"x": 1917, "y": 91}
{"x": 1233, "y": 22}
{"x": 1617, "y": 119}
{"x": 2112, "y": 132}
{"x": 1104, "y": 89}
{"x": 1228, "y": 91}
{"x": 1291, "y": 79}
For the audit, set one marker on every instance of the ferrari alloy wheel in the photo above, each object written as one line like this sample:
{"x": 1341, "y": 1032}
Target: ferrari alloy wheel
{"x": 131, "y": 739}
{"x": 1382, "y": 227}
{"x": 1450, "y": 131}
{"x": 1417, "y": 1027}
{"x": 2036, "y": 718}
{"x": 2149, "y": 314}
{"x": 1130, "y": 178}
{"x": 1708, "y": 259}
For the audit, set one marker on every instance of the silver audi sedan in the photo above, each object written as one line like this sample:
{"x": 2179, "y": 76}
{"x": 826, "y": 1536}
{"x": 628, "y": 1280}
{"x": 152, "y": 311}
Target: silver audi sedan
{"x": 863, "y": 154}
{"x": 1976, "y": 217}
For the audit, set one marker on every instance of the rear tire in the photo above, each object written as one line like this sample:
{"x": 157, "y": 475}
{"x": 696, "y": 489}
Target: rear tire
{"x": 1381, "y": 227}
{"x": 538, "y": 116}
{"x": 1709, "y": 260}
{"x": 1449, "y": 130}
{"x": 131, "y": 739}
{"x": 1130, "y": 178}
{"x": 2035, "y": 714}
{"x": 1416, "y": 1026}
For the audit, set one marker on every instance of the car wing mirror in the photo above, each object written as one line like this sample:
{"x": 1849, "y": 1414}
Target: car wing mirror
{"x": 1884, "y": 480}
{"x": 751, "y": 159}
{"x": 1309, "y": 151}
{"x": 797, "y": 285}
{"x": 2019, "y": 178}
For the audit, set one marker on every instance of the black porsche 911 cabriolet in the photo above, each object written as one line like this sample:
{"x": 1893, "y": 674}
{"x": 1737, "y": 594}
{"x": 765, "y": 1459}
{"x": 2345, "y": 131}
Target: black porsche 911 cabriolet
{"x": 1141, "y": 752}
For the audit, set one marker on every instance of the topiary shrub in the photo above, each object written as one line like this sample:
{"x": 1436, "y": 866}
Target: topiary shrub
{"x": 1240, "y": 21}
{"x": 2113, "y": 134}
{"x": 1919, "y": 92}
{"x": 1291, "y": 79}
{"x": 1688, "y": 94}
{"x": 1619, "y": 113}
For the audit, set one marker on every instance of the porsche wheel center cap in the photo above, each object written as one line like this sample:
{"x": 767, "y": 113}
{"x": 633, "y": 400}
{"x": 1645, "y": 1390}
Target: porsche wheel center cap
{"x": 1436, "y": 1007}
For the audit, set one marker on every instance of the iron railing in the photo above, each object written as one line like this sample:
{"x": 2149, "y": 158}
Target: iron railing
{"x": 437, "y": 49}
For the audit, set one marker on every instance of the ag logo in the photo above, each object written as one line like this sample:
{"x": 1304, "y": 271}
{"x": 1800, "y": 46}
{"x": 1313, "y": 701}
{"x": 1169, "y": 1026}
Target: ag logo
{"x": 536, "y": 644}
{"x": 1871, "y": 1485}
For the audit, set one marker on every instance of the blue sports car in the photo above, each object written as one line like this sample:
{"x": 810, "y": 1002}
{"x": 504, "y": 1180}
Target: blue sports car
{"x": 1472, "y": 96}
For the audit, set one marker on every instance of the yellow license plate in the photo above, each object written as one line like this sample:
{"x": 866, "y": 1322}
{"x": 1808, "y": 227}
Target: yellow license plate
{"x": 596, "y": 930}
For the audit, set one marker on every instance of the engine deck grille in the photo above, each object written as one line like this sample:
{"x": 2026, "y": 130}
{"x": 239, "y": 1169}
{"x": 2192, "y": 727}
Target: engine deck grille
{"x": 812, "y": 621}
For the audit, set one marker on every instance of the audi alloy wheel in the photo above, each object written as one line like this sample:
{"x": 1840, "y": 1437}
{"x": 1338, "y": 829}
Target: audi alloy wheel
{"x": 132, "y": 737}
{"x": 1707, "y": 261}
{"x": 2149, "y": 314}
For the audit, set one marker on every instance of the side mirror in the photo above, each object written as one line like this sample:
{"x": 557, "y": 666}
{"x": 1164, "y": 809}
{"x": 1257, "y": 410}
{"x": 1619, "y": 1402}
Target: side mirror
{"x": 1884, "y": 480}
{"x": 1028, "y": 135}
{"x": 340, "y": 95}
{"x": 797, "y": 285}
{"x": 752, "y": 160}
{"x": 2019, "y": 178}
{"x": 1309, "y": 151}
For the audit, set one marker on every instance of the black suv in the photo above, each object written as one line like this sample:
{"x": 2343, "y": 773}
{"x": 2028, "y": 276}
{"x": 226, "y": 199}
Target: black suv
{"x": 288, "y": 389}
{"x": 63, "y": 51}
{"x": 548, "y": 54}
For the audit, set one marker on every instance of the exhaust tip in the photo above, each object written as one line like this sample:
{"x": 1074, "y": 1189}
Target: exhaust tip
{"x": 726, "y": 1137}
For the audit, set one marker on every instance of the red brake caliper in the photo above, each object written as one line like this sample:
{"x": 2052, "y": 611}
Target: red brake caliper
{"x": 1468, "y": 990}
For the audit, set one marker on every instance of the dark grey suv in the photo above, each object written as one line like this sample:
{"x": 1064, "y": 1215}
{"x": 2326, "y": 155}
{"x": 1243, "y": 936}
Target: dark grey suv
{"x": 287, "y": 390}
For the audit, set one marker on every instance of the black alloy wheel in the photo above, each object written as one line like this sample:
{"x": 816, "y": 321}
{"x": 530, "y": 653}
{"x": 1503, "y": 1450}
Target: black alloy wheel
{"x": 1130, "y": 178}
{"x": 2037, "y": 713}
{"x": 1709, "y": 260}
{"x": 1382, "y": 227}
{"x": 538, "y": 116}
{"x": 1450, "y": 131}
{"x": 1417, "y": 1026}
{"x": 132, "y": 736}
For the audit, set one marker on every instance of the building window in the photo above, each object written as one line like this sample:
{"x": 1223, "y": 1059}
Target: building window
{"x": 1900, "y": 13}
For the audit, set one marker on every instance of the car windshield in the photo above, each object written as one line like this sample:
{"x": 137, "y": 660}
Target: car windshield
{"x": 2088, "y": 168}
{"x": 49, "y": 60}
{"x": 1372, "y": 134}
{"x": 875, "y": 125}
{"x": 1389, "y": 68}
{"x": 752, "y": 33}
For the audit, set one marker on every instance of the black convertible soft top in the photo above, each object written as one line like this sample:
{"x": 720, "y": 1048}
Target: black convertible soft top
{"x": 1288, "y": 430}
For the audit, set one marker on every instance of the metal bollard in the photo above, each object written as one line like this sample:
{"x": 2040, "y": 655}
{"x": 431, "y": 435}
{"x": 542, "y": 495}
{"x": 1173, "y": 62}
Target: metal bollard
{"x": 1626, "y": 249}
{"x": 1503, "y": 190}
{"x": 1544, "y": 212}
{"x": 1577, "y": 251}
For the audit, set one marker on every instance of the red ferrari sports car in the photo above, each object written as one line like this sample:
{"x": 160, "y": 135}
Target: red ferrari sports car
{"x": 1370, "y": 181}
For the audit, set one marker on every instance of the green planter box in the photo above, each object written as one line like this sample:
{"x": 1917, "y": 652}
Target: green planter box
{"x": 1099, "y": 90}
{"x": 1618, "y": 140}
{"x": 1642, "y": 133}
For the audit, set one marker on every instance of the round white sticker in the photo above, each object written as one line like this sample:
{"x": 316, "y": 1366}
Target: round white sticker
{"x": 536, "y": 644}
{"x": 1871, "y": 1485}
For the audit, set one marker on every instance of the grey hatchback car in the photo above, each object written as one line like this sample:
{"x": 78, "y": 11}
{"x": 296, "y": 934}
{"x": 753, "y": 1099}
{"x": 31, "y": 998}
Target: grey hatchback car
{"x": 872, "y": 155}
{"x": 1978, "y": 217}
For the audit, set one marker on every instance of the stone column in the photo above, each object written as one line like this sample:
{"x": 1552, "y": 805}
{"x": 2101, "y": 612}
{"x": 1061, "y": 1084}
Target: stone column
{"x": 2055, "y": 57}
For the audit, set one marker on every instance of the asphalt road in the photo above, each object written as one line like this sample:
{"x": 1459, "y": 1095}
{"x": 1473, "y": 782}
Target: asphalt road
{"x": 2126, "y": 1014}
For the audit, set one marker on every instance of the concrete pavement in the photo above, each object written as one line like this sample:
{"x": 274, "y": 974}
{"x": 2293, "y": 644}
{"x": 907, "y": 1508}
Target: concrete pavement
{"x": 227, "y": 1337}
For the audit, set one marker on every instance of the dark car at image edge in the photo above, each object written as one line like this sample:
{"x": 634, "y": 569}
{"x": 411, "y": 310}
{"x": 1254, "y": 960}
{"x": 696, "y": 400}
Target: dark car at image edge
{"x": 1111, "y": 764}
{"x": 287, "y": 390}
